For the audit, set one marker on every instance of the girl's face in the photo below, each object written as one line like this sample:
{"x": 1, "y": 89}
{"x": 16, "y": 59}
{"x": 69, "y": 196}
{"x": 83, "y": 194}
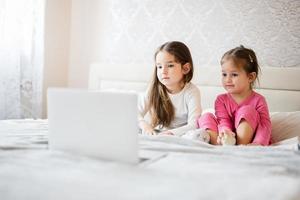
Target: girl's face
{"x": 235, "y": 79}
{"x": 169, "y": 72}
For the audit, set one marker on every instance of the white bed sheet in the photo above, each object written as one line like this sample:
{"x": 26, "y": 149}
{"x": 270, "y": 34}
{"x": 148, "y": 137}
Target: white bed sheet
{"x": 189, "y": 170}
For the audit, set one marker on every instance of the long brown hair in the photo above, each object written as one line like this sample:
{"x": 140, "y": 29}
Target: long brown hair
{"x": 160, "y": 106}
{"x": 244, "y": 56}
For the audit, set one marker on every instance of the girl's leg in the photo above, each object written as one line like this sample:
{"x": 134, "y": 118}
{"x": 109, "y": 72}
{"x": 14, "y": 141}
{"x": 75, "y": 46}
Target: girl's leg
{"x": 209, "y": 122}
{"x": 246, "y": 121}
{"x": 244, "y": 133}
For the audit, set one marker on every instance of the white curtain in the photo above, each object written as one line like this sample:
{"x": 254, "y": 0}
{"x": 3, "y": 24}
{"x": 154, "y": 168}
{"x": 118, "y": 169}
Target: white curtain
{"x": 21, "y": 58}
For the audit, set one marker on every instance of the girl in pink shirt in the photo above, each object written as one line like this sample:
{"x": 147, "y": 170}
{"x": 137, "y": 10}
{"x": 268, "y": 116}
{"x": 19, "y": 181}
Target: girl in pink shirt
{"x": 241, "y": 112}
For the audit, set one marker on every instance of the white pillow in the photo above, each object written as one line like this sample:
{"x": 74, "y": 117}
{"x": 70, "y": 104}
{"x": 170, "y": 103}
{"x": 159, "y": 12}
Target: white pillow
{"x": 285, "y": 125}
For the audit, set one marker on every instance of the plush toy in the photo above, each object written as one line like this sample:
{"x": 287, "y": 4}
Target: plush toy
{"x": 228, "y": 139}
{"x": 197, "y": 134}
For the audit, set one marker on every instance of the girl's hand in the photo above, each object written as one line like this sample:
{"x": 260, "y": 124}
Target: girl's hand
{"x": 223, "y": 136}
{"x": 148, "y": 130}
{"x": 219, "y": 138}
{"x": 229, "y": 132}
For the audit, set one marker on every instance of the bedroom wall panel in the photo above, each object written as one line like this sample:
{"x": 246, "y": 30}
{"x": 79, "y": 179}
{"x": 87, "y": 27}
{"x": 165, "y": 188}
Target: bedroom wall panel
{"x": 209, "y": 28}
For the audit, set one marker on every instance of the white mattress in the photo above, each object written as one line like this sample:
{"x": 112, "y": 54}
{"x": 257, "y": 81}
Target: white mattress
{"x": 188, "y": 170}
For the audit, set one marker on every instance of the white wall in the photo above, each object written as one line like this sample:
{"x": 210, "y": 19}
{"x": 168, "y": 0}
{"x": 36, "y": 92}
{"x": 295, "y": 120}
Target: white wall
{"x": 129, "y": 31}
{"x": 87, "y": 22}
{"x": 57, "y": 42}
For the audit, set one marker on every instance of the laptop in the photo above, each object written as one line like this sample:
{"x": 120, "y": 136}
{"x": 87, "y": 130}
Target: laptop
{"x": 100, "y": 124}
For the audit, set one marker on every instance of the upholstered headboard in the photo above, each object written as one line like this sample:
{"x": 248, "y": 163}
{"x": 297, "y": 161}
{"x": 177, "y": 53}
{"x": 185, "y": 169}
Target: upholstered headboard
{"x": 280, "y": 86}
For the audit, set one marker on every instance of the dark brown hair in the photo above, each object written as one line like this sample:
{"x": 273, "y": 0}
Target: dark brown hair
{"x": 244, "y": 57}
{"x": 160, "y": 106}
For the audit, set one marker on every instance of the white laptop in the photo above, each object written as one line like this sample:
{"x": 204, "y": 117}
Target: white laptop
{"x": 99, "y": 124}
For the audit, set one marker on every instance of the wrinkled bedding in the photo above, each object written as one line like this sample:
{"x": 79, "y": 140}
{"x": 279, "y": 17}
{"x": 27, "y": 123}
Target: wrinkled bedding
{"x": 184, "y": 169}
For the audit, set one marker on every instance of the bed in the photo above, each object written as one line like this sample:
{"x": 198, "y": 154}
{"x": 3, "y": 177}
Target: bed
{"x": 182, "y": 168}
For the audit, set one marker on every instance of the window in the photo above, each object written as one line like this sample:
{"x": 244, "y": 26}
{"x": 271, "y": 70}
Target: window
{"x": 21, "y": 58}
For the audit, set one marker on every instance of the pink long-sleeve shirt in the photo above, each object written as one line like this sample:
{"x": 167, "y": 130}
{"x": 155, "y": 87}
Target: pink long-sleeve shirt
{"x": 226, "y": 107}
